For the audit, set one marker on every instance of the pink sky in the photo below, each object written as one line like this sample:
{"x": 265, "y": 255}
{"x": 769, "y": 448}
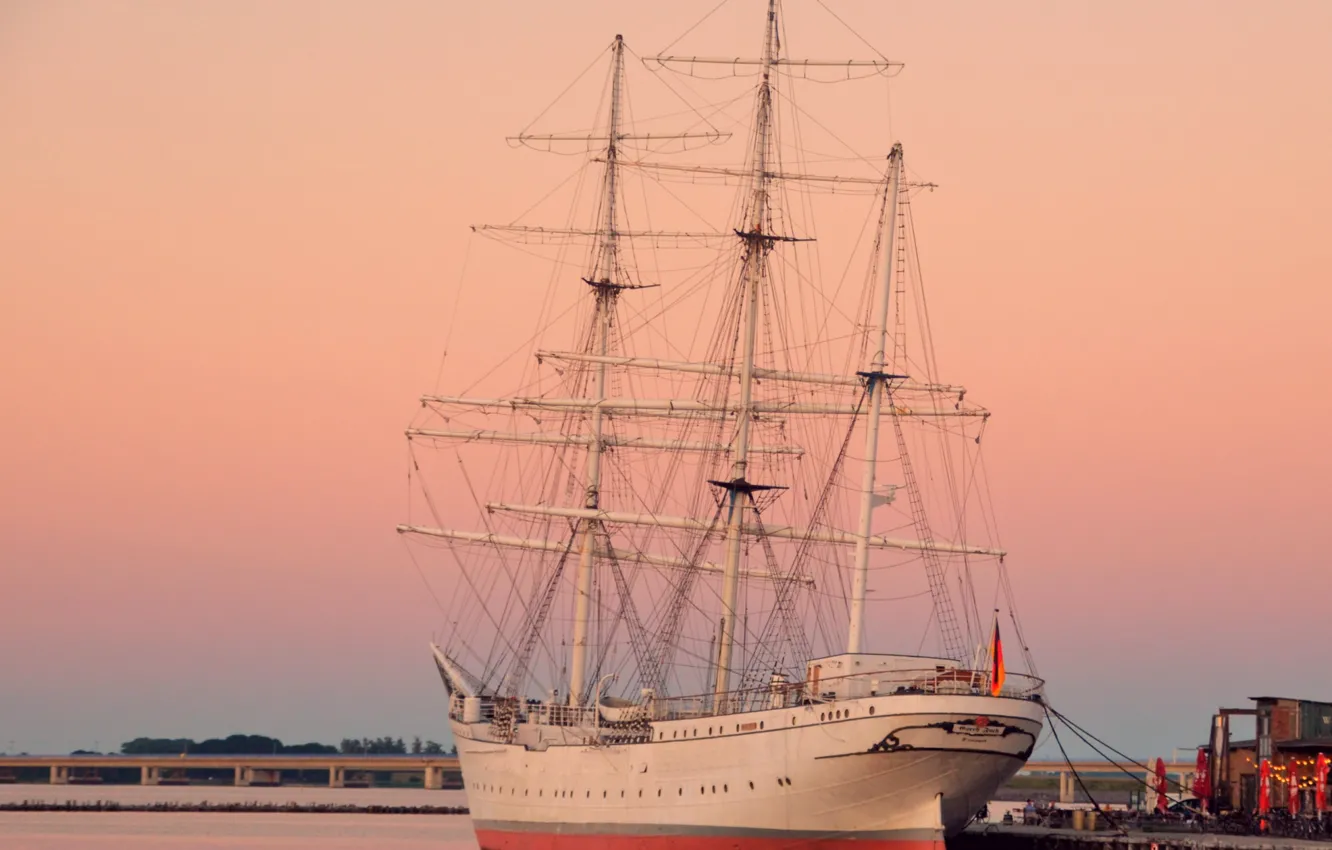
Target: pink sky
{"x": 230, "y": 236}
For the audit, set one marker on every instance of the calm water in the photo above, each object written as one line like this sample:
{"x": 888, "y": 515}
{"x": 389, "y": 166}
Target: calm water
{"x": 190, "y": 831}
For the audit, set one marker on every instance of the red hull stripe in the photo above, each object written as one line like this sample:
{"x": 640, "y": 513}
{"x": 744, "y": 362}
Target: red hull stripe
{"x": 498, "y": 840}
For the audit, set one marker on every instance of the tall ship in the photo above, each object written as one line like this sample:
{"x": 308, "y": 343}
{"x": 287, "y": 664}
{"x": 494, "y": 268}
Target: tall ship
{"x": 722, "y": 565}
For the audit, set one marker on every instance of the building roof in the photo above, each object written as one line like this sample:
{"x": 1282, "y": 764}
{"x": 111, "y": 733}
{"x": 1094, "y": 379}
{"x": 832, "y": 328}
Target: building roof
{"x": 1311, "y": 744}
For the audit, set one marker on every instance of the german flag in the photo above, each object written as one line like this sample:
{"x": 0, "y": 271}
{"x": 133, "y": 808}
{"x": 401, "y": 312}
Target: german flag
{"x": 996, "y": 662}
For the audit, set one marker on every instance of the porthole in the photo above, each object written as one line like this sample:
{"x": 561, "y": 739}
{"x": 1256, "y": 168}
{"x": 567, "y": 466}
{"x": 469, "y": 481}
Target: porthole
{"x": 793, "y": 721}
{"x": 702, "y": 789}
{"x": 779, "y": 780}
{"x": 788, "y": 780}
{"x": 541, "y": 793}
{"x": 714, "y": 789}
{"x": 695, "y": 733}
{"x": 681, "y": 792}
{"x": 820, "y": 715}
{"x": 525, "y": 790}
{"x": 603, "y": 794}
{"x": 621, "y": 794}
{"x": 640, "y": 792}
{"x": 658, "y": 792}
{"x": 675, "y": 734}
{"x": 726, "y": 789}
{"x": 871, "y": 709}
{"x": 760, "y": 724}
{"x": 751, "y": 785}
{"x": 737, "y": 727}
{"x": 709, "y": 730}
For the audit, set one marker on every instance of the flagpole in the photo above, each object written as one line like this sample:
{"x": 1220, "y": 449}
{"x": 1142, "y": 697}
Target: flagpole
{"x": 984, "y": 646}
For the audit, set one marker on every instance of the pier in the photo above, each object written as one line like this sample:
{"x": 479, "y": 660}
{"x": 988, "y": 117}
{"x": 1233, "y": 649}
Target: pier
{"x": 341, "y": 770}
{"x": 1000, "y": 837}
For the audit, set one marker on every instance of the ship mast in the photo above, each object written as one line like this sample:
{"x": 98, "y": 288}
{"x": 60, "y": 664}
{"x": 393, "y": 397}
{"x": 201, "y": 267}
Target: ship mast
{"x": 875, "y": 379}
{"x": 603, "y": 281}
{"x": 739, "y": 491}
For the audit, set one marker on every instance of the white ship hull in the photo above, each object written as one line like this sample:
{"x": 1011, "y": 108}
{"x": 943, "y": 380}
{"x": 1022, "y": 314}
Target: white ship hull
{"x": 813, "y": 776}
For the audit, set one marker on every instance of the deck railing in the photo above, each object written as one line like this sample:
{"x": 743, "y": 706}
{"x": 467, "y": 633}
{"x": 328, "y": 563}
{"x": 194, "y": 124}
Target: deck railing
{"x": 779, "y": 694}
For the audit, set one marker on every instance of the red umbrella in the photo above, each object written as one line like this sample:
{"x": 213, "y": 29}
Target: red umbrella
{"x": 1264, "y": 787}
{"x": 1202, "y": 782}
{"x": 1320, "y": 783}
{"x": 1160, "y": 785}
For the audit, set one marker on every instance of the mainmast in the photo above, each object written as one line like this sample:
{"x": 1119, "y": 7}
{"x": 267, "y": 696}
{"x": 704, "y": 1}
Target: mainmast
{"x": 739, "y": 491}
{"x": 603, "y": 281}
{"x": 875, "y": 379}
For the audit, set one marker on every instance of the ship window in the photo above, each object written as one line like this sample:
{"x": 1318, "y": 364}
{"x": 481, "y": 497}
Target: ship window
{"x": 695, "y": 733}
{"x": 793, "y": 721}
{"x": 751, "y": 785}
{"x": 658, "y": 792}
{"x": 726, "y": 788}
{"x": 702, "y": 789}
{"x": 709, "y": 730}
{"x": 714, "y": 789}
{"x": 681, "y": 790}
{"x": 540, "y": 793}
{"x": 675, "y": 734}
{"x": 760, "y": 724}
{"x": 779, "y": 780}
{"x": 589, "y": 794}
{"x": 525, "y": 790}
{"x": 820, "y": 715}
{"x": 871, "y": 709}
{"x": 621, "y": 793}
{"x": 640, "y": 792}
{"x": 788, "y": 780}
{"x": 737, "y": 727}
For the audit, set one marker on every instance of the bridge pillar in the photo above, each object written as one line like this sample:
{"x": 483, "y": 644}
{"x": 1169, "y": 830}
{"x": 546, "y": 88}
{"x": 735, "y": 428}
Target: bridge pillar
{"x": 59, "y": 775}
{"x": 337, "y": 777}
{"x": 150, "y": 775}
{"x": 434, "y": 778}
{"x": 1067, "y": 787}
{"x": 244, "y": 776}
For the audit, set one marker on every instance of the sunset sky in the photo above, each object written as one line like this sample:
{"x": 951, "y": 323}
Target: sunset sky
{"x": 232, "y": 234}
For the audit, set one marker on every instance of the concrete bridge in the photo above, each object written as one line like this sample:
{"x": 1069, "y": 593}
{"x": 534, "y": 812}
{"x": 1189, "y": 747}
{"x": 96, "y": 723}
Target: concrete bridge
{"x": 247, "y": 770}
{"x": 353, "y": 769}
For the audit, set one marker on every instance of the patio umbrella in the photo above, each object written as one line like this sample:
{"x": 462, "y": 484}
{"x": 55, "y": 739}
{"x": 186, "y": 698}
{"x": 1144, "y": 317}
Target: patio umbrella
{"x": 1202, "y": 781}
{"x": 1264, "y": 787}
{"x": 1160, "y": 785}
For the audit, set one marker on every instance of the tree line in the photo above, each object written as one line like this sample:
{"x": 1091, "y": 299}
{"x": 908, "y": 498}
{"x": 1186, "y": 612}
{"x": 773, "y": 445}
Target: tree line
{"x": 262, "y": 745}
